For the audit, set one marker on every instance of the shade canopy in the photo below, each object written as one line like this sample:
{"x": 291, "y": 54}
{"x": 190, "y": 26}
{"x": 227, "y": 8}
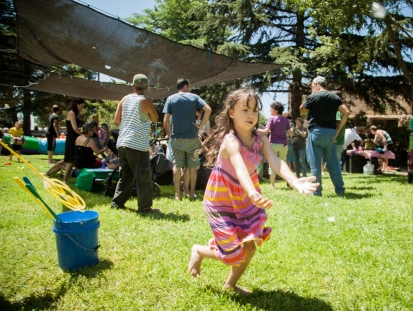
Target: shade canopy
{"x": 60, "y": 32}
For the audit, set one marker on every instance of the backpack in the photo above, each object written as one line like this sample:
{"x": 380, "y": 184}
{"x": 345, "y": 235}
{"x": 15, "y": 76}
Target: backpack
{"x": 369, "y": 145}
{"x": 158, "y": 163}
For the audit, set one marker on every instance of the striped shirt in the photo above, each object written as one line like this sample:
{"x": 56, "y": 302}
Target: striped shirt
{"x": 135, "y": 125}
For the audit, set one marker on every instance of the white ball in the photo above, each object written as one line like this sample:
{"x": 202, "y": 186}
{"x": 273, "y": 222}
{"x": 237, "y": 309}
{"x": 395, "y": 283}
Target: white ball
{"x": 378, "y": 10}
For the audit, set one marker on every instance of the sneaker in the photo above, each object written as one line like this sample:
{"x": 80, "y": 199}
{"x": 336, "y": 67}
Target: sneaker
{"x": 113, "y": 205}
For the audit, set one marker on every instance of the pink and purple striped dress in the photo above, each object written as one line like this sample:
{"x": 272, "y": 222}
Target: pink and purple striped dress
{"x": 233, "y": 218}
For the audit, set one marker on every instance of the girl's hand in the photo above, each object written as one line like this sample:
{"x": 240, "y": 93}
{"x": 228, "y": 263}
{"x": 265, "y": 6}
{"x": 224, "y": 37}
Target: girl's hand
{"x": 259, "y": 201}
{"x": 305, "y": 185}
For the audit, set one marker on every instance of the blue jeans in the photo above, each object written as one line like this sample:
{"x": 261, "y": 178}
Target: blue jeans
{"x": 290, "y": 153}
{"x": 320, "y": 144}
{"x": 300, "y": 163}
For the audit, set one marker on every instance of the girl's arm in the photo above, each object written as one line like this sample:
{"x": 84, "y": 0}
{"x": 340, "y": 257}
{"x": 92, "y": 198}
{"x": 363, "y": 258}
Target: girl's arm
{"x": 302, "y": 185}
{"x": 231, "y": 150}
{"x": 72, "y": 118}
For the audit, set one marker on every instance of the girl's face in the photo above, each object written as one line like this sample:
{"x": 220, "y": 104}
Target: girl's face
{"x": 298, "y": 124}
{"x": 245, "y": 116}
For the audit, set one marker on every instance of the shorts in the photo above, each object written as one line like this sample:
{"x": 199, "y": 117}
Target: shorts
{"x": 280, "y": 151}
{"x": 51, "y": 143}
{"x": 183, "y": 150}
{"x": 16, "y": 147}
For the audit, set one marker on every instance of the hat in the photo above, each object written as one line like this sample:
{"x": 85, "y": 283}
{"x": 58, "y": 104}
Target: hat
{"x": 140, "y": 80}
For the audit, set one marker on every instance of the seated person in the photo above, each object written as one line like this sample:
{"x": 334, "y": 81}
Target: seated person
{"x": 59, "y": 166}
{"x": 112, "y": 161}
{"x": 16, "y": 138}
{"x": 86, "y": 149}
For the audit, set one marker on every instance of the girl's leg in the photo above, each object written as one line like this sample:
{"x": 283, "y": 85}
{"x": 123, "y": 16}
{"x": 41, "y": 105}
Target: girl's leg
{"x": 198, "y": 253}
{"x": 237, "y": 271}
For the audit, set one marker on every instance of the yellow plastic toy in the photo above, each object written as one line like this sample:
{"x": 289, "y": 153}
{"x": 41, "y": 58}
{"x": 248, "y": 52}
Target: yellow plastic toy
{"x": 55, "y": 187}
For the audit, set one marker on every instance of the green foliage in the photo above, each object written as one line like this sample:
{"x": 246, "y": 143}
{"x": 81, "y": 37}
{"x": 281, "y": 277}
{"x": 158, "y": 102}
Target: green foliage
{"x": 359, "y": 119}
{"x": 360, "y": 260}
{"x": 263, "y": 120}
{"x": 17, "y": 72}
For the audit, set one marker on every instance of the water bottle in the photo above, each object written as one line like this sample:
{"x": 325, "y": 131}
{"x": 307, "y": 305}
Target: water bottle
{"x": 103, "y": 164}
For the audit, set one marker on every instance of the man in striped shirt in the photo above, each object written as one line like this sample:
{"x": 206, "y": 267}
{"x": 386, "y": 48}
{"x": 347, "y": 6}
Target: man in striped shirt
{"x": 134, "y": 114}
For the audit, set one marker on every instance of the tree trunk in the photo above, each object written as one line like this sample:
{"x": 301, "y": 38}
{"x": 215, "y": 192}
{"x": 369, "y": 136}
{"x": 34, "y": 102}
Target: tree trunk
{"x": 295, "y": 98}
{"x": 27, "y": 109}
{"x": 402, "y": 64}
{"x": 295, "y": 88}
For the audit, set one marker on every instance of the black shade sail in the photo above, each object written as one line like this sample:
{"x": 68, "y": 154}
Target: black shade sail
{"x": 60, "y": 32}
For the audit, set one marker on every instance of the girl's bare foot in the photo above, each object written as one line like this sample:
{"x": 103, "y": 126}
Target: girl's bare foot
{"x": 238, "y": 290}
{"x": 194, "y": 266}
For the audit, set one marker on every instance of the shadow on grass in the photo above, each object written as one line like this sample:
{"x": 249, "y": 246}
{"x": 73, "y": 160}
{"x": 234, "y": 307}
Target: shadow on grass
{"x": 160, "y": 215}
{"x": 357, "y": 196}
{"x": 377, "y": 178}
{"x": 278, "y": 300}
{"x": 91, "y": 272}
{"x": 36, "y": 301}
{"x": 46, "y": 300}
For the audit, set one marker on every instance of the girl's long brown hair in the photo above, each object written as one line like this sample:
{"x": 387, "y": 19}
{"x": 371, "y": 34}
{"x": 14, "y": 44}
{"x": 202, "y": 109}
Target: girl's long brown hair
{"x": 225, "y": 124}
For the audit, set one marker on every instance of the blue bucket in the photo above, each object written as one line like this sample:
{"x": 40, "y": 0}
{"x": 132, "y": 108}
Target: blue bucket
{"x": 77, "y": 239}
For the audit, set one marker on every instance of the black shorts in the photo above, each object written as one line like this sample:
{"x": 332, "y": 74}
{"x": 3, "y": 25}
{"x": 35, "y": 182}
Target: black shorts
{"x": 51, "y": 143}
{"x": 16, "y": 147}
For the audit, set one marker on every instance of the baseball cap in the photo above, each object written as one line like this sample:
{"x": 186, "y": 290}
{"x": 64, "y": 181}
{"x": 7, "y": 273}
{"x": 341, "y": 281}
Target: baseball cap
{"x": 140, "y": 80}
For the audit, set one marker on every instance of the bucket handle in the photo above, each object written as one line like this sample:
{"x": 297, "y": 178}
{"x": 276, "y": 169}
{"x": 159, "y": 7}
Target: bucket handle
{"x": 88, "y": 249}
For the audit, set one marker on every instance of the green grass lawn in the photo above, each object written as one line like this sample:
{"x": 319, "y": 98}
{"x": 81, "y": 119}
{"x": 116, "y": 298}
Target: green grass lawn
{"x": 326, "y": 253}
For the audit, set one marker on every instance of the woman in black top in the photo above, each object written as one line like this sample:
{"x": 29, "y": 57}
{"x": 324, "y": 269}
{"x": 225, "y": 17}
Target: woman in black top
{"x": 73, "y": 124}
{"x": 85, "y": 149}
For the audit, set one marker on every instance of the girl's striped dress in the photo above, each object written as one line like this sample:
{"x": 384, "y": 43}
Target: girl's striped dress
{"x": 233, "y": 218}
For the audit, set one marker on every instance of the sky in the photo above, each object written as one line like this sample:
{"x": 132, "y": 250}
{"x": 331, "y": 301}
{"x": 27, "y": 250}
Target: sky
{"x": 125, "y": 8}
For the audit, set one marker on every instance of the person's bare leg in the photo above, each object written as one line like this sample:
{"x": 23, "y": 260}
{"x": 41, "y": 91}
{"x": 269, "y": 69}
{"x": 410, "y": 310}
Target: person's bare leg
{"x": 385, "y": 163}
{"x": 237, "y": 271}
{"x": 198, "y": 253}
{"x": 186, "y": 181}
{"x": 55, "y": 168}
{"x": 192, "y": 179}
{"x": 19, "y": 153}
{"x": 272, "y": 179}
{"x": 68, "y": 172}
{"x": 50, "y": 157}
{"x": 177, "y": 182}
